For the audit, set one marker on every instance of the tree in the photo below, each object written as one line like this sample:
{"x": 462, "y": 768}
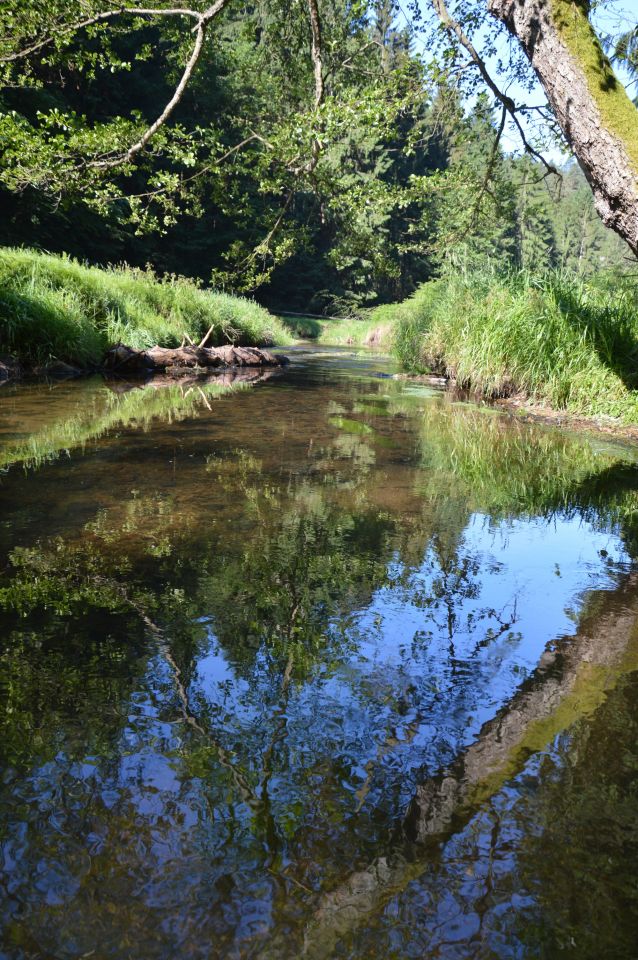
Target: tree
{"x": 535, "y": 206}
{"x": 588, "y": 101}
{"x": 251, "y": 182}
{"x": 275, "y": 141}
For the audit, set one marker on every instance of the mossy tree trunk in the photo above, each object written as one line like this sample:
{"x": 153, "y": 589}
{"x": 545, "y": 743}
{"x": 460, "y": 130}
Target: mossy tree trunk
{"x": 598, "y": 119}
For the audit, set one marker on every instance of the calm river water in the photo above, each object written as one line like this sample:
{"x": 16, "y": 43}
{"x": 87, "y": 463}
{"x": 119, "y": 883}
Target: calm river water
{"x": 323, "y": 666}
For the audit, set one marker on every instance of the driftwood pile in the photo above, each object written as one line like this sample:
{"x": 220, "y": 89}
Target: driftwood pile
{"x": 191, "y": 360}
{"x": 122, "y": 359}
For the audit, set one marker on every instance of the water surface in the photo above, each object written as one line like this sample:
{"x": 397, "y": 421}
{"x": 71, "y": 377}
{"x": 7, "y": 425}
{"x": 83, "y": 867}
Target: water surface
{"x": 323, "y": 665}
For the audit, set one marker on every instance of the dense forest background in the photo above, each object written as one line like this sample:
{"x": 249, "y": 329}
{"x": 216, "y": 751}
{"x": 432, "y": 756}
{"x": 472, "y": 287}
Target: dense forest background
{"x": 411, "y": 179}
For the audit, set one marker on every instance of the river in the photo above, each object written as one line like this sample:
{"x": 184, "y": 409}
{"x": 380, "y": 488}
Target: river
{"x": 321, "y": 665}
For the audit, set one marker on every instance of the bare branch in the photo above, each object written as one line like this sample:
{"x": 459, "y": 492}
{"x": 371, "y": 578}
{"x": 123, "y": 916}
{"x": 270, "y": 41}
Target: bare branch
{"x": 348, "y": 61}
{"x": 549, "y": 167}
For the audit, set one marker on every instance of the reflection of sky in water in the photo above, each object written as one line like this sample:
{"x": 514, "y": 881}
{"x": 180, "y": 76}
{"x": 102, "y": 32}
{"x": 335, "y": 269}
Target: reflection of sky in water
{"x": 216, "y": 797}
{"x": 417, "y": 698}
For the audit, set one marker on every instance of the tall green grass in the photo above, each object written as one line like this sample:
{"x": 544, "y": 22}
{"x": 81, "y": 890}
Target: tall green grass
{"x": 55, "y": 307}
{"x": 352, "y": 331}
{"x": 559, "y": 339}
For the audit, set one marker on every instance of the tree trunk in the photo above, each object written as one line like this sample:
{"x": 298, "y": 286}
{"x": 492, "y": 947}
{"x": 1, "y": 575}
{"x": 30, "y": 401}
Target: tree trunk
{"x": 597, "y": 118}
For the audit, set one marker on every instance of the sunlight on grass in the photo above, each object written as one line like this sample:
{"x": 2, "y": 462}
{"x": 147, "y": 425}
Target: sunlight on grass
{"x": 55, "y": 307}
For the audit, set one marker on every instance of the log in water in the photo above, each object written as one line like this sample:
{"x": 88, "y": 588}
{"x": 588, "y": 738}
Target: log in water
{"x": 123, "y": 359}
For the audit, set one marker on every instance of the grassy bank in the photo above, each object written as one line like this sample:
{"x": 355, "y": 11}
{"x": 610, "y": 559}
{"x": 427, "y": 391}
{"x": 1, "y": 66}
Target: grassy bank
{"x": 562, "y": 341}
{"x": 371, "y": 331}
{"x": 54, "y": 307}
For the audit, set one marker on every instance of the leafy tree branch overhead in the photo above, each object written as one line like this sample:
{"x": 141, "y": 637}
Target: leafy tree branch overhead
{"x": 273, "y": 133}
{"x": 588, "y": 101}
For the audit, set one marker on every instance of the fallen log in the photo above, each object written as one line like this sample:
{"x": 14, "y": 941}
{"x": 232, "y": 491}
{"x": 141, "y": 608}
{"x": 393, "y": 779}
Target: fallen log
{"x": 123, "y": 359}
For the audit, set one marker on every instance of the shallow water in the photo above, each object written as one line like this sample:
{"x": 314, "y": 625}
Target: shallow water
{"x": 325, "y": 666}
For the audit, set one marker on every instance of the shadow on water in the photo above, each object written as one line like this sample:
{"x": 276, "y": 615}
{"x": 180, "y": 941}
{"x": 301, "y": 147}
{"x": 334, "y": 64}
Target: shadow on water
{"x": 274, "y": 666}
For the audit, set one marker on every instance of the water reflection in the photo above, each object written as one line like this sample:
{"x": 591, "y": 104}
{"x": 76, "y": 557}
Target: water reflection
{"x": 267, "y": 675}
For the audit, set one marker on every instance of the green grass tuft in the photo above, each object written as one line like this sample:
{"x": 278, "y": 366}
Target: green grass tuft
{"x": 561, "y": 340}
{"x": 55, "y": 307}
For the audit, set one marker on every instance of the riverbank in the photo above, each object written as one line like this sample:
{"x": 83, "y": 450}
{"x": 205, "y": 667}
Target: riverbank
{"x": 55, "y": 310}
{"x": 560, "y": 343}
{"x": 524, "y": 410}
{"x": 371, "y": 331}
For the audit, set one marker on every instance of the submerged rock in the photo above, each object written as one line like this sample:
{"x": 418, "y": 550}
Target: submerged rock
{"x": 59, "y": 369}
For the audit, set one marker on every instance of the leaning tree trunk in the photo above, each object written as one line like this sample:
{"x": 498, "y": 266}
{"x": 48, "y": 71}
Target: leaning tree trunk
{"x": 597, "y": 118}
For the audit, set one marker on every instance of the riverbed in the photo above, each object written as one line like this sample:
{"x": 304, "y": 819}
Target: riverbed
{"x": 322, "y": 664}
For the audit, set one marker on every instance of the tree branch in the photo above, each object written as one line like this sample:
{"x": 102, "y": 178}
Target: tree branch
{"x": 455, "y": 28}
{"x": 72, "y": 28}
{"x": 166, "y": 112}
{"x": 317, "y": 63}
{"x": 490, "y": 167}
{"x": 203, "y": 19}
{"x": 315, "y": 50}
{"x": 194, "y": 176}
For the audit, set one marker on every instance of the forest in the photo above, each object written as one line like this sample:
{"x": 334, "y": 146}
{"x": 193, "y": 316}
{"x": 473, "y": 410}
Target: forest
{"x": 397, "y": 176}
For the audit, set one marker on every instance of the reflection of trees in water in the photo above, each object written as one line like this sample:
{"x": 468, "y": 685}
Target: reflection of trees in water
{"x": 570, "y": 686}
{"x": 584, "y": 846}
{"x": 546, "y": 867}
{"x": 446, "y": 588}
{"x": 503, "y": 468}
{"x": 246, "y": 774}
{"x": 82, "y": 412}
